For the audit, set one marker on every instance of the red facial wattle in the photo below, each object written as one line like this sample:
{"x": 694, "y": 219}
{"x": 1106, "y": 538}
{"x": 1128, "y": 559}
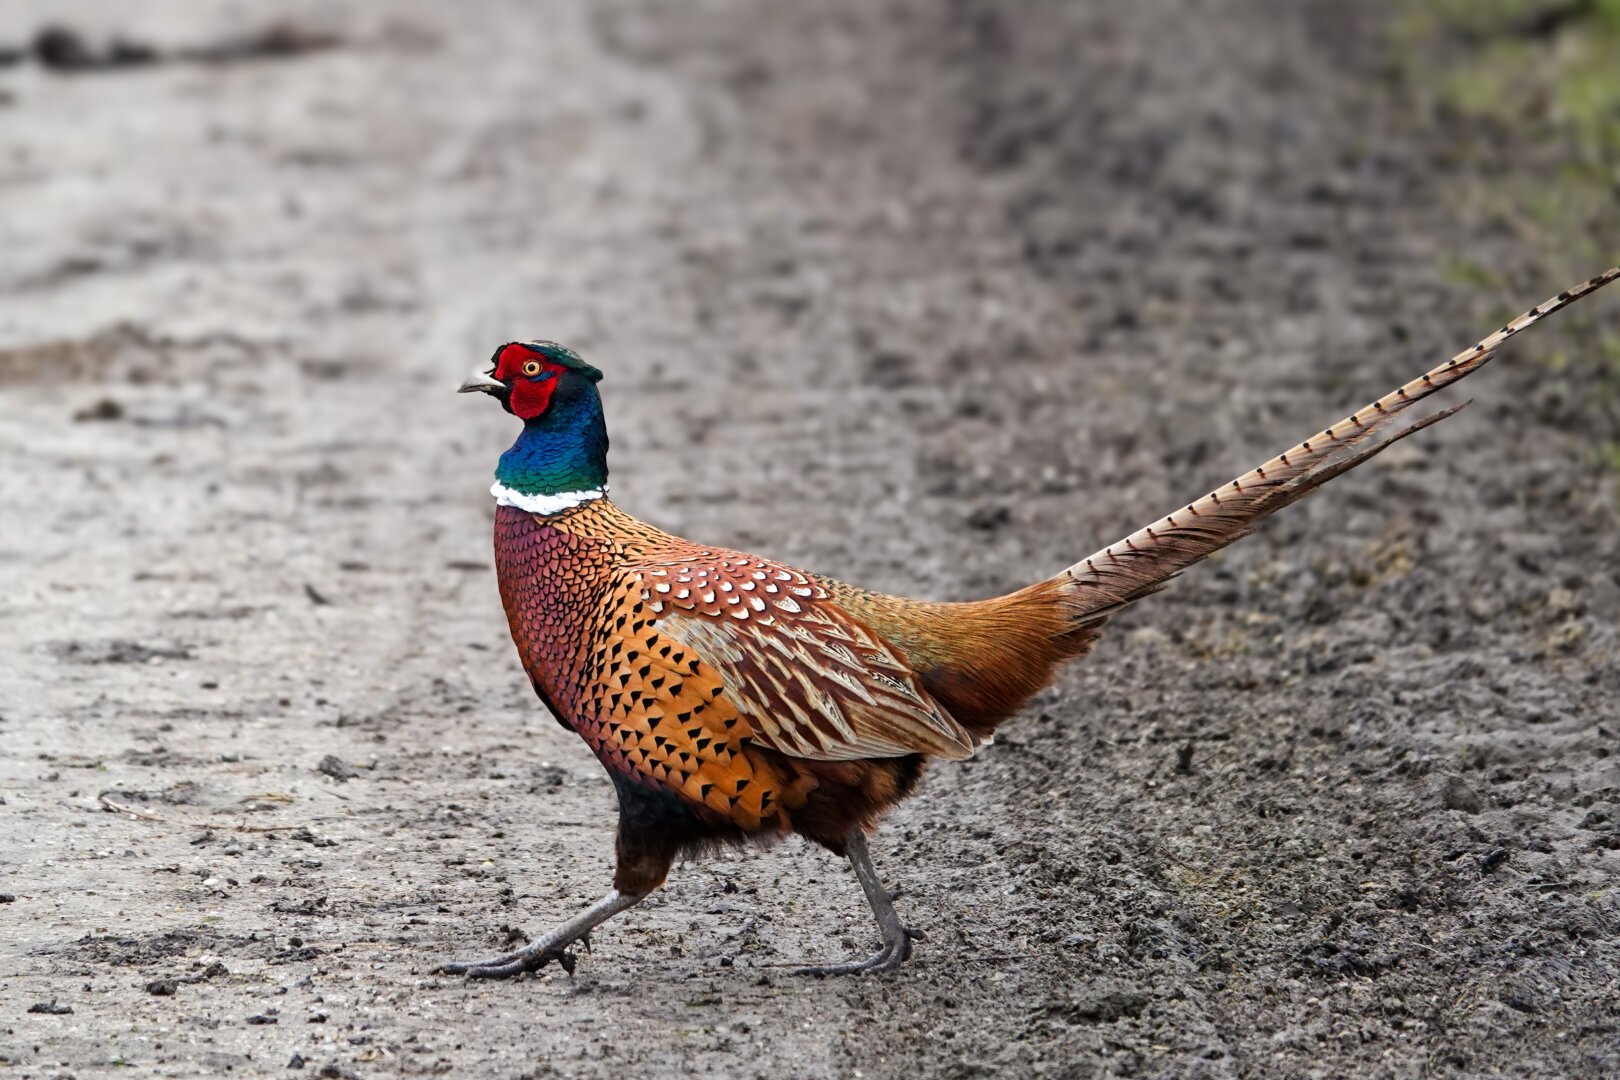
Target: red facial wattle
{"x": 533, "y": 379}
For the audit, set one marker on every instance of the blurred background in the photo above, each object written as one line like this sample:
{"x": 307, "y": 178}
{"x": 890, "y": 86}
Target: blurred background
{"x": 932, "y": 295}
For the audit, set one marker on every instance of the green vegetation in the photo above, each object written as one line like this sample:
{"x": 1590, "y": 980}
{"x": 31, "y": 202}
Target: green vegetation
{"x": 1527, "y": 93}
{"x": 1553, "y": 64}
{"x": 1525, "y": 78}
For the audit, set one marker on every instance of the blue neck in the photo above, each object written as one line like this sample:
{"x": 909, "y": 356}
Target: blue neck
{"x": 563, "y": 449}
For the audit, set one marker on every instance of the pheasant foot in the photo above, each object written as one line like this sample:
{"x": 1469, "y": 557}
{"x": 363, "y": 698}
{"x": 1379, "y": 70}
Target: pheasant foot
{"x": 552, "y": 946}
{"x": 895, "y": 952}
{"x": 897, "y": 936}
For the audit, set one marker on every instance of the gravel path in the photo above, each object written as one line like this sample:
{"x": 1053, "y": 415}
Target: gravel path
{"x": 935, "y": 297}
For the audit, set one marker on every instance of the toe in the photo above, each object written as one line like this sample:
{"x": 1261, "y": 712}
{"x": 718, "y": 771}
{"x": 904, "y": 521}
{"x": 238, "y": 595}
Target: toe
{"x": 460, "y": 968}
{"x": 511, "y": 964}
{"x": 508, "y": 970}
{"x": 889, "y": 958}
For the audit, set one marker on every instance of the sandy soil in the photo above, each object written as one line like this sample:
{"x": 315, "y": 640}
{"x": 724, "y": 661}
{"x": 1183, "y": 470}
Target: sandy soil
{"x": 931, "y": 296}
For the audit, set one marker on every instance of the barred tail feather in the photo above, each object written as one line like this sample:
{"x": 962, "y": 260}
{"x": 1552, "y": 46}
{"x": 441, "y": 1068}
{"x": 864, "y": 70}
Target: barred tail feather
{"x": 1142, "y": 563}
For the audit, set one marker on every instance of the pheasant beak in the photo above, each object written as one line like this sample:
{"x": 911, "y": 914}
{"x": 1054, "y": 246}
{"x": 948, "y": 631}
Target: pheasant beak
{"x": 479, "y": 381}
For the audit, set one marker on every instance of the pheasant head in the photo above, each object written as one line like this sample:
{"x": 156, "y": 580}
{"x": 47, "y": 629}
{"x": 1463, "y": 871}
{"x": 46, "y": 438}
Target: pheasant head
{"x": 560, "y": 459}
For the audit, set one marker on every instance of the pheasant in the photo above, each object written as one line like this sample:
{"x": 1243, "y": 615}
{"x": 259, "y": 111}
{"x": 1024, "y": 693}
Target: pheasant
{"x": 733, "y": 698}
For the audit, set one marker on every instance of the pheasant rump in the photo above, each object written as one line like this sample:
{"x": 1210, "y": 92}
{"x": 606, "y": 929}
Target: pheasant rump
{"x": 730, "y": 697}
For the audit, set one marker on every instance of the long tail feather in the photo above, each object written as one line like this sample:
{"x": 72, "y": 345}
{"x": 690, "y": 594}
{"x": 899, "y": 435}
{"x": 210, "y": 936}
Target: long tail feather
{"x": 1142, "y": 563}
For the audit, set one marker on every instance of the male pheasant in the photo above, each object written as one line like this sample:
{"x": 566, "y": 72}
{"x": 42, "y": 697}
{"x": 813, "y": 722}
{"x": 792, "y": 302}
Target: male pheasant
{"x": 731, "y": 697}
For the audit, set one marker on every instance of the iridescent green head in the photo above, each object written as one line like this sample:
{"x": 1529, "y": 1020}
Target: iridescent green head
{"x": 562, "y": 453}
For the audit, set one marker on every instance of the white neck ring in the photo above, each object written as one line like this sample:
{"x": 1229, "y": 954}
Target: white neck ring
{"x": 545, "y": 504}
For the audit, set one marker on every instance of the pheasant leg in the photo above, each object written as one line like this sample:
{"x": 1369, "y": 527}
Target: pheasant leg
{"x": 897, "y": 936}
{"x": 552, "y": 946}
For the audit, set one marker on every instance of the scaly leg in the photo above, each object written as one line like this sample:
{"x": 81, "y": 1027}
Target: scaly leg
{"x": 897, "y": 936}
{"x": 646, "y": 848}
{"x": 553, "y": 946}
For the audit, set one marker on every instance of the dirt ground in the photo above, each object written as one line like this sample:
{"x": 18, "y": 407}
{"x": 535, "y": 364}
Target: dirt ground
{"x": 932, "y": 296}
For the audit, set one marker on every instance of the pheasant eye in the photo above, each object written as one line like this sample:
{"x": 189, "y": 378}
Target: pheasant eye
{"x": 532, "y": 368}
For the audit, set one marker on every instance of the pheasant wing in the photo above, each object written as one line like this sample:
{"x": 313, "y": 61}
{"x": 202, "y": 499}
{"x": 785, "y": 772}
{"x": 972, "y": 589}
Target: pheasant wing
{"x": 810, "y": 680}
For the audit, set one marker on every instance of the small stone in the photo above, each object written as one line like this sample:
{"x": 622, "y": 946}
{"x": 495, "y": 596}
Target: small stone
{"x": 260, "y": 1018}
{"x": 50, "y": 1008}
{"x": 105, "y": 409}
{"x": 296, "y": 1061}
{"x": 337, "y": 768}
{"x": 1457, "y": 795}
{"x": 162, "y": 987}
{"x": 989, "y": 518}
